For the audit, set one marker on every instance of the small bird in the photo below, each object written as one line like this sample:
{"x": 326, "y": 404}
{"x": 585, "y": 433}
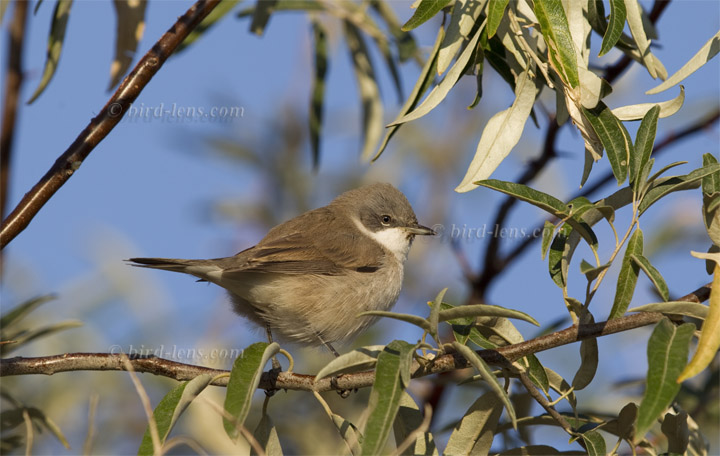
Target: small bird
{"x": 309, "y": 278}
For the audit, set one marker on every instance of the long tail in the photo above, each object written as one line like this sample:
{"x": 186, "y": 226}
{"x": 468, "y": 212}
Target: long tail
{"x": 199, "y": 268}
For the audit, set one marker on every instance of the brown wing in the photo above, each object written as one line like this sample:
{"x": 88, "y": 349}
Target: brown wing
{"x": 316, "y": 242}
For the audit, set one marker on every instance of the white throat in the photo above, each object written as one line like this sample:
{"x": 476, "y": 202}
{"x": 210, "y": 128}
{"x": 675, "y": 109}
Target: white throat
{"x": 394, "y": 239}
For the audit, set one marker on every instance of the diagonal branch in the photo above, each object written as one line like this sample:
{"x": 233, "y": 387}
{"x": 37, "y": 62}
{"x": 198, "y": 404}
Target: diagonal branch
{"x": 102, "y": 124}
{"x": 49, "y": 365}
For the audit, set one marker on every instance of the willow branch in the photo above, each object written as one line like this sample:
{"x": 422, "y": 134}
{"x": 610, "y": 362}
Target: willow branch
{"x": 102, "y": 124}
{"x": 49, "y": 365}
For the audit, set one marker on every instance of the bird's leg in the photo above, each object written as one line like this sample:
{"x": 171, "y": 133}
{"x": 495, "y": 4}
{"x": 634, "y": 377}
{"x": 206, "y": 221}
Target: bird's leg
{"x": 333, "y": 380}
{"x": 275, "y": 363}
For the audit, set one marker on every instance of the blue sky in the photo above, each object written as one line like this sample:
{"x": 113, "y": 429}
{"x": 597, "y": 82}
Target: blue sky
{"x": 145, "y": 190}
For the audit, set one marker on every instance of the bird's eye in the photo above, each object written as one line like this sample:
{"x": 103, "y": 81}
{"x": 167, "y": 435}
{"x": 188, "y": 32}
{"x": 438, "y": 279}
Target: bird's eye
{"x": 386, "y": 219}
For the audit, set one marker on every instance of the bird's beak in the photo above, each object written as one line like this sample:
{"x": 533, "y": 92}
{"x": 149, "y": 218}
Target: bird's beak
{"x": 420, "y": 230}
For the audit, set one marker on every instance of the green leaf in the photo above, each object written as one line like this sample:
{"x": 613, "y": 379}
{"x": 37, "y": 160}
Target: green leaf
{"x": 406, "y": 45}
{"x": 636, "y": 112}
{"x": 711, "y": 182}
{"x": 210, "y": 20}
{"x": 439, "y": 92}
{"x": 711, "y": 201}
{"x": 424, "y": 12}
{"x": 614, "y": 137}
{"x": 691, "y": 309}
{"x": 556, "y": 31}
{"x": 261, "y": 15}
{"x": 557, "y": 257}
{"x": 542, "y": 200}
{"x": 408, "y": 420}
{"x": 318, "y": 89}
{"x": 244, "y": 380}
{"x": 484, "y": 310}
{"x": 435, "y": 312}
{"x": 615, "y": 26}
{"x": 594, "y": 443}
{"x": 496, "y": 10}
{"x": 372, "y": 109}
{"x": 349, "y": 432}
{"x": 130, "y": 28}
{"x": 501, "y": 133}
{"x": 675, "y": 428}
{"x": 407, "y": 318}
{"x": 660, "y": 188}
{"x": 462, "y": 21}
{"x": 627, "y": 279}
{"x": 23, "y": 337}
{"x": 547, "y": 235}
{"x": 634, "y": 20}
{"x": 537, "y": 373}
{"x": 590, "y": 271}
{"x": 561, "y": 386}
{"x": 22, "y": 310}
{"x": 653, "y": 274}
{"x": 477, "y": 426}
{"x": 61, "y": 14}
{"x": 667, "y": 355}
{"x": 707, "y": 52}
{"x": 171, "y": 407}
{"x": 424, "y": 81}
{"x": 267, "y": 436}
{"x": 487, "y": 375}
{"x": 392, "y": 376}
{"x": 644, "y": 141}
{"x": 589, "y": 358}
{"x": 360, "y": 359}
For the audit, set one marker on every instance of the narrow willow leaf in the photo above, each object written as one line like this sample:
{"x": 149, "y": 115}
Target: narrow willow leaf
{"x": 542, "y": 200}
{"x": 707, "y": 52}
{"x": 391, "y": 378}
{"x": 496, "y": 10}
{"x": 171, "y": 407}
{"x": 644, "y": 141}
{"x": 627, "y": 279}
{"x": 484, "y": 310}
{"x": 423, "y": 83}
{"x": 711, "y": 202}
{"x": 561, "y": 386}
{"x": 360, "y": 359}
{"x": 408, "y": 318}
{"x": 691, "y": 309}
{"x": 372, "y": 110}
{"x": 615, "y": 26}
{"x": 711, "y": 182}
{"x": 556, "y": 31}
{"x": 349, "y": 432}
{"x": 501, "y": 133}
{"x": 61, "y": 14}
{"x": 424, "y": 12}
{"x": 537, "y": 373}
{"x": 487, "y": 375}
{"x": 439, "y": 92}
{"x": 210, "y": 20}
{"x": 261, "y": 15}
{"x": 244, "y": 380}
{"x": 634, "y": 20}
{"x": 667, "y": 354}
{"x": 589, "y": 358}
{"x": 675, "y": 428}
{"x": 594, "y": 443}
{"x": 592, "y": 272}
{"x": 406, "y": 45}
{"x": 129, "y": 32}
{"x": 317, "y": 99}
{"x": 636, "y": 112}
{"x": 665, "y": 169}
{"x": 709, "y": 342}
{"x": 557, "y": 257}
{"x": 22, "y": 310}
{"x": 267, "y": 436}
{"x": 614, "y": 137}
{"x": 477, "y": 426}
{"x": 23, "y": 337}
{"x": 462, "y": 21}
{"x": 653, "y": 274}
{"x": 435, "y": 312}
{"x": 538, "y": 450}
{"x": 547, "y": 235}
{"x": 660, "y": 188}
{"x": 408, "y": 420}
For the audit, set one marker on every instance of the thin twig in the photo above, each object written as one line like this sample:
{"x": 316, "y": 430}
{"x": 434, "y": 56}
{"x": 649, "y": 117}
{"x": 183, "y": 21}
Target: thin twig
{"x": 100, "y": 126}
{"x": 49, "y": 365}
